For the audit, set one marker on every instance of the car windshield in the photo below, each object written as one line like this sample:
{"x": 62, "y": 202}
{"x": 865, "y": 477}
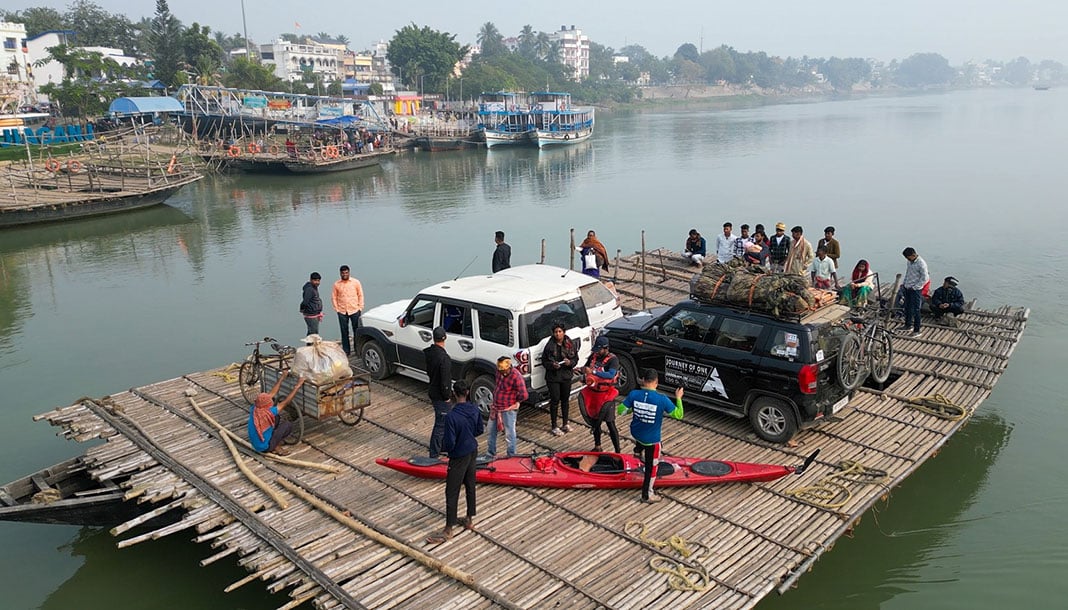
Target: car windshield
{"x": 538, "y": 325}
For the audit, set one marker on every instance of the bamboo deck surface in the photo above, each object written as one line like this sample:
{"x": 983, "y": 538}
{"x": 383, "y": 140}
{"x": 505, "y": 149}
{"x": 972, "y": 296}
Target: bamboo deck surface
{"x": 534, "y": 548}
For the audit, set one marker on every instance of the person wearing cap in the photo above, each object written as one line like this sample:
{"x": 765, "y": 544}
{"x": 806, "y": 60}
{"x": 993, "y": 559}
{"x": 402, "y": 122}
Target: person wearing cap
{"x": 834, "y": 249}
{"x": 502, "y": 254}
{"x": 947, "y": 299}
{"x": 559, "y": 359}
{"x": 725, "y": 244}
{"x": 649, "y": 408}
{"x": 598, "y": 396}
{"x": 463, "y": 425}
{"x": 779, "y": 248}
{"x": 266, "y": 430}
{"x": 439, "y": 369}
{"x": 801, "y": 255}
{"x": 311, "y": 306}
{"x": 695, "y": 249}
{"x": 511, "y": 389}
{"x": 348, "y": 303}
{"x": 916, "y": 277}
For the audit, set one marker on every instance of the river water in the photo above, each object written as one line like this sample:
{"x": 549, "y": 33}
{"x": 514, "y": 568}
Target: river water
{"x": 973, "y": 180}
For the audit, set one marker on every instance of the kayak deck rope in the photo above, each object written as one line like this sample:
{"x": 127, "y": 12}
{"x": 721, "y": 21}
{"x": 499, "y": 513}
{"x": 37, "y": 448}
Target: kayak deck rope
{"x": 832, "y": 491}
{"x": 686, "y": 574}
{"x": 938, "y": 406}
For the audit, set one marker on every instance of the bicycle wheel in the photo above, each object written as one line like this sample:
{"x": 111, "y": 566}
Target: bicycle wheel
{"x": 292, "y": 414}
{"x": 851, "y": 371}
{"x": 248, "y": 377}
{"x": 881, "y": 356}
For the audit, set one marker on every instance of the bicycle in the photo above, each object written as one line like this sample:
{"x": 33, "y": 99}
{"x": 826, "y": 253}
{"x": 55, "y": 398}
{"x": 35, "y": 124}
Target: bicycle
{"x": 251, "y": 371}
{"x": 866, "y": 350}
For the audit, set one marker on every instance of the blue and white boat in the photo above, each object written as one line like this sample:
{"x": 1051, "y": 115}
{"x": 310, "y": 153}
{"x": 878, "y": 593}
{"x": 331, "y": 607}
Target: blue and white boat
{"x": 503, "y": 119}
{"x": 557, "y": 122}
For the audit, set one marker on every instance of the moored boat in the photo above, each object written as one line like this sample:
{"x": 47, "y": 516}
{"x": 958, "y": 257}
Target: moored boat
{"x": 599, "y": 470}
{"x": 557, "y": 122}
{"x": 503, "y": 120}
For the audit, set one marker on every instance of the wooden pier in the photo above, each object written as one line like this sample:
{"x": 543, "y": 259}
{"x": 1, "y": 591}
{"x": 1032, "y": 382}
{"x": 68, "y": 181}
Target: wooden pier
{"x": 352, "y": 536}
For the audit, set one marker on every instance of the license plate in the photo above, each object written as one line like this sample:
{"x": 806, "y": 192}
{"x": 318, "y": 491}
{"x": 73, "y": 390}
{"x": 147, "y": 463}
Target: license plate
{"x": 838, "y": 405}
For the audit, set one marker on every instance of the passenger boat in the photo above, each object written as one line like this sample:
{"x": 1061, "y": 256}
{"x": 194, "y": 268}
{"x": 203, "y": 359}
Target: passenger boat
{"x": 557, "y": 122}
{"x": 599, "y": 470}
{"x": 502, "y": 119}
{"x": 66, "y": 494}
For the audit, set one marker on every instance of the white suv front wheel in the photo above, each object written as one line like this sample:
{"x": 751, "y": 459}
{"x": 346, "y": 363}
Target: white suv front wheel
{"x": 375, "y": 361}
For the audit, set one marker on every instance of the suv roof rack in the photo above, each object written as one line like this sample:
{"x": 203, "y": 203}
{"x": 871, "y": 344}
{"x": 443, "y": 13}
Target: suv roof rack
{"x": 789, "y": 317}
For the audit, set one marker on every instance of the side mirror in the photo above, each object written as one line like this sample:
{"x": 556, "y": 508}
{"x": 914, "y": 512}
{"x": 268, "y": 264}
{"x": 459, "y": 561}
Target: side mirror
{"x": 402, "y": 321}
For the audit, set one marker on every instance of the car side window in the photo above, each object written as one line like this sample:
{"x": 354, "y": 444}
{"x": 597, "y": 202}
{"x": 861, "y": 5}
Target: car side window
{"x": 456, "y": 319}
{"x": 539, "y": 324}
{"x": 787, "y": 345}
{"x": 421, "y": 313}
{"x": 688, "y": 324}
{"x": 494, "y": 328}
{"x": 741, "y": 335}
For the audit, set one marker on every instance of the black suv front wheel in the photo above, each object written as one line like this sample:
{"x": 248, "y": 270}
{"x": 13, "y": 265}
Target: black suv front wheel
{"x": 772, "y": 419}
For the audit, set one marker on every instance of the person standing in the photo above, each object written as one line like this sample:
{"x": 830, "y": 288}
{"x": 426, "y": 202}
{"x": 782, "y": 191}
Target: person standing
{"x": 602, "y": 372}
{"x": 439, "y": 369}
{"x": 757, "y": 252}
{"x": 559, "y": 359}
{"x": 695, "y": 248}
{"x": 266, "y": 430}
{"x": 834, "y": 249}
{"x": 822, "y": 271}
{"x": 779, "y": 248}
{"x": 463, "y": 425}
{"x": 801, "y": 256}
{"x": 725, "y": 244}
{"x": 916, "y": 276}
{"x": 649, "y": 408}
{"x": 502, "y": 254}
{"x": 311, "y": 306}
{"x": 511, "y": 389}
{"x": 348, "y": 303}
{"x": 742, "y": 242}
{"x": 598, "y": 250}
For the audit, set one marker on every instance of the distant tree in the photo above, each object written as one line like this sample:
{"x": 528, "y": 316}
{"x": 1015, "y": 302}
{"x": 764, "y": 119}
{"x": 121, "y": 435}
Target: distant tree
{"x": 341, "y": 39}
{"x": 688, "y": 52}
{"x": 491, "y": 40}
{"x": 37, "y": 19}
{"x": 422, "y": 53}
{"x": 90, "y": 81}
{"x": 686, "y": 71}
{"x": 1050, "y": 71}
{"x": 203, "y": 56}
{"x": 842, "y": 74}
{"x": 334, "y": 88}
{"x": 96, "y": 27}
{"x": 289, "y": 37}
{"x": 1017, "y": 72}
{"x": 924, "y": 69}
{"x": 244, "y": 73}
{"x": 602, "y": 66}
{"x": 719, "y": 64}
{"x": 543, "y": 46}
{"x": 528, "y": 42}
{"x": 375, "y": 89}
{"x": 166, "y": 41}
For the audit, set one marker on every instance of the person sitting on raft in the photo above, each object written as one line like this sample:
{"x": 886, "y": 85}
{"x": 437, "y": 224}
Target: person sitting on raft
{"x": 266, "y": 430}
{"x": 860, "y": 285}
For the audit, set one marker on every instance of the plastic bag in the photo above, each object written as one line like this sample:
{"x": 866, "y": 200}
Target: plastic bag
{"x": 321, "y": 361}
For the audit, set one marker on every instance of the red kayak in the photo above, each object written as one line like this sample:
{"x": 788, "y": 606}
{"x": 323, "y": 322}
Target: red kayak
{"x": 598, "y": 470}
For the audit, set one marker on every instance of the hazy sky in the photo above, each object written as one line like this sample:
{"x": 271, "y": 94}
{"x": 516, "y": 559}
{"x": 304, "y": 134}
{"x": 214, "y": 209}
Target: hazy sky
{"x": 958, "y": 29}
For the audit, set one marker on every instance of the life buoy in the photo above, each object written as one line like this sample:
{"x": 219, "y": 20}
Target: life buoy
{"x": 274, "y": 149}
{"x": 235, "y": 151}
{"x": 73, "y": 166}
{"x": 253, "y": 148}
{"x": 173, "y": 164}
{"x": 52, "y": 165}
{"x": 567, "y": 136}
{"x": 331, "y": 152}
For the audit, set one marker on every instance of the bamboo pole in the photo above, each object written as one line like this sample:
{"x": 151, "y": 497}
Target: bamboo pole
{"x": 542, "y": 251}
{"x": 258, "y": 482}
{"x": 571, "y": 264}
{"x": 643, "y": 270}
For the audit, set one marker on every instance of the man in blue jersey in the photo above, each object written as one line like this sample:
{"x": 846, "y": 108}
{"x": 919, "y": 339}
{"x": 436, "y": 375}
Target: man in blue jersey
{"x": 649, "y": 408}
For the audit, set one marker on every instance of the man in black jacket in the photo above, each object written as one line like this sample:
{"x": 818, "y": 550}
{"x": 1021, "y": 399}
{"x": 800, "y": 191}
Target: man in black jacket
{"x": 439, "y": 369}
{"x": 502, "y": 255}
{"x": 947, "y": 299}
{"x": 311, "y": 306}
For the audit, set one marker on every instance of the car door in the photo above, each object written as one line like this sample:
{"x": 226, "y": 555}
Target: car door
{"x": 673, "y": 347}
{"x": 415, "y": 332}
{"x": 731, "y": 355}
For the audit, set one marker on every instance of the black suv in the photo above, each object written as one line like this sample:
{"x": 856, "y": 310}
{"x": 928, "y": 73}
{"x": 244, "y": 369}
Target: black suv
{"x": 781, "y": 373}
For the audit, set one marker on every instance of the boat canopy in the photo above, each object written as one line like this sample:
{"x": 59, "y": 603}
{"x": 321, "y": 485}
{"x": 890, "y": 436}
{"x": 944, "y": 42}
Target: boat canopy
{"x": 145, "y": 105}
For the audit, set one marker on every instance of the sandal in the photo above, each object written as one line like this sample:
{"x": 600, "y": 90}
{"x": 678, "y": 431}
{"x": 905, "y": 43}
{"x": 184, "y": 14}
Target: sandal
{"x": 439, "y": 538}
{"x": 468, "y": 523}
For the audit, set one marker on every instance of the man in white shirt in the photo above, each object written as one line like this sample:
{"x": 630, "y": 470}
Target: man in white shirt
{"x": 725, "y": 244}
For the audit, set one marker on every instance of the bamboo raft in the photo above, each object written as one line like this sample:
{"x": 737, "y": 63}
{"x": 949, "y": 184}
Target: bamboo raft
{"x": 352, "y": 536}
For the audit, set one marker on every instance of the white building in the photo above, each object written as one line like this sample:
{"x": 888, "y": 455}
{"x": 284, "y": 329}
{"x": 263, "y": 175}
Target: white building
{"x": 574, "y": 50}
{"x": 292, "y": 60}
{"x": 14, "y": 59}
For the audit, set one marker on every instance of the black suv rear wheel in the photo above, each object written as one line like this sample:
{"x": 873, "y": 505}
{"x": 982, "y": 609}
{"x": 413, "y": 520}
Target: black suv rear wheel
{"x": 772, "y": 419}
{"x": 627, "y": 379}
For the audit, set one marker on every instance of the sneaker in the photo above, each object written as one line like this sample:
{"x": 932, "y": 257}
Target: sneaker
{"x": 566, "y": 428}
{"x": 557, "y": 432}
{"x": 914, "y": 334}
{"x": 652, "y": 499}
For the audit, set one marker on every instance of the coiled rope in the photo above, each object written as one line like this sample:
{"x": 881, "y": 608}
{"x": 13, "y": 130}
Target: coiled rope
{"x": 831, "y": 491}
{"x": 938, "y": 406}
{"x": 686, "y": 574}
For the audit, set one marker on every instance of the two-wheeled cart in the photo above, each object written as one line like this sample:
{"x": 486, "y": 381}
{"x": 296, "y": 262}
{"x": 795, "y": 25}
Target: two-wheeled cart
{"x": 345, "y": 398}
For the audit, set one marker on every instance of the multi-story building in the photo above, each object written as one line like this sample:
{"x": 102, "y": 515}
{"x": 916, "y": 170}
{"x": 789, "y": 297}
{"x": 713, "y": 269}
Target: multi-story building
{"x": 14, "y": 58}
{"x": 292, "y": 60}
{"x": 574, "y": 50}
{"x": 381, "y": 70}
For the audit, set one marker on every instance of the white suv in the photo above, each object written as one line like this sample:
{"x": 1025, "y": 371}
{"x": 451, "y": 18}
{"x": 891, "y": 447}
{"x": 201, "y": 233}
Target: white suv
{"x": 510, "y": 313}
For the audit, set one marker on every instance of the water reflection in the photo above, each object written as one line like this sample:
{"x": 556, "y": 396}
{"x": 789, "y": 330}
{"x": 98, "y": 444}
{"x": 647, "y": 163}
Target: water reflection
{"x": 899, "y": 545}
